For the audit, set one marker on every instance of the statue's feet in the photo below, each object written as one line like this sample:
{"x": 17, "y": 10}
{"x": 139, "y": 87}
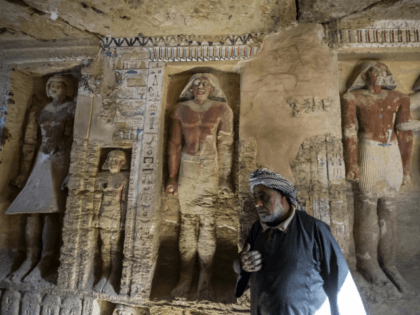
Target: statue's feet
{"x": 110, "y": 286}
{"x": 375, "y": 275}
{"x": 35, "y": 276}
{"x": 23, "y": 270}
{"x": 100, "y": 285}
{"x": 205, "y": 293}
{"x": 205, "y": 288}
{"x": 398, "y": 280}
{"x": 181, "y": 289}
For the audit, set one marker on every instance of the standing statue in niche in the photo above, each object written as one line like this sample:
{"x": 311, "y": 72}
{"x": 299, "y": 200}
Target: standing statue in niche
{"x": 378, "y": 157}
{"x": 42, "y": 197}
{"x": 205, "y": 121}
{"x": 110, "y": 205}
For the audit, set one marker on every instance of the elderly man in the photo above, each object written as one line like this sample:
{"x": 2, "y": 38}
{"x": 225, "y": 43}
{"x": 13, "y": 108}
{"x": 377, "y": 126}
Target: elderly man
{"x": 291, "y": 260}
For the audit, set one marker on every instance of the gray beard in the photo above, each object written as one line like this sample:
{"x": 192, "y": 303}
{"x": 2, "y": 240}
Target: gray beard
{"x": 278, "y": 211}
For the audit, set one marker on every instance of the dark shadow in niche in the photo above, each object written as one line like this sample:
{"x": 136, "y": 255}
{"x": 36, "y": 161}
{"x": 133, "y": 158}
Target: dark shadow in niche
{"x": 226, "y": 209}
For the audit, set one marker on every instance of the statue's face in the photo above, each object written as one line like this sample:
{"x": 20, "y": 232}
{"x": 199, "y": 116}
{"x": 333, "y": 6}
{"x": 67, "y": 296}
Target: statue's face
{"x": 201, "y": 89}
{"x": 57, "y": 90}
{"x": 115, "y": 162}
{"x": 372, "y": 76}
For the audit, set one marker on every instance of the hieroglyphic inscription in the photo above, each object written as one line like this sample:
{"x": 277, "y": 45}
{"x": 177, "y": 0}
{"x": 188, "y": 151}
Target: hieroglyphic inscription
{"x": 10, "y": 303}
{"x": 51, "y": 305}
{"x": 307, "y": 104}
{"x": 145, "y": 247}
{"x": 71, "y": 306}
{"x": 31, "y": 304}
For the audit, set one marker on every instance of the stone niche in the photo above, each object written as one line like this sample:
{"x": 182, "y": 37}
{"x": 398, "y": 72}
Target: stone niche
{"x": 20, "y": 147}
{"x": 405, "y": 69}
{"x": 225, "y": 209}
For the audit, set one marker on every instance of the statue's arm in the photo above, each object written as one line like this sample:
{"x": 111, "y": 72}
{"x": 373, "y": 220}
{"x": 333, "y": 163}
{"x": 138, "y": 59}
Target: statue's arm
{"x": 97, "y": 198}
{"x": 68, "y": 128}
{"x": 174, "y": 154}
{"x": 123, "y": 202}
{"x": 350, "y": 137}
{"x": 225, "y": 144}
{"x": 405, "y": 137}
{"x": 28, "y": 148}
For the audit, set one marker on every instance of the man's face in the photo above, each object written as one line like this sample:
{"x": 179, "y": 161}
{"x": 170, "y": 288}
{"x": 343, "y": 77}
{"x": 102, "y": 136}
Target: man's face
{"x": 57, "y": 90}
{"x": 201, "y": 89}
{"x": 270, "y": 204}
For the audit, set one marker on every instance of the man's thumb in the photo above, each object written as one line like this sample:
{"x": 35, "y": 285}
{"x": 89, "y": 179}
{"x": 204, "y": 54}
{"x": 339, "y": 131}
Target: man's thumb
{"x": 248, "y": 247}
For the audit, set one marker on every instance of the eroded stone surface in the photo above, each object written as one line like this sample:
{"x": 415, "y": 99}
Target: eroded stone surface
{"x": 129, "y": 18}
{"x": 320, "y": 11}
{"x": 23, "y": 22}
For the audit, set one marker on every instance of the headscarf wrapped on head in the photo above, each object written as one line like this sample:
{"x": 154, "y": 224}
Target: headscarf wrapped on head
{"x": 270, "y": 179}
{"x": 217, "y": 93}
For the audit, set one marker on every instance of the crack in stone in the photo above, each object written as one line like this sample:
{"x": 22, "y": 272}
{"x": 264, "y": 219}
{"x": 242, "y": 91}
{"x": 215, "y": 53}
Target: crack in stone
{"x": 22, "y": 3}
{"x": 369, "y": 7}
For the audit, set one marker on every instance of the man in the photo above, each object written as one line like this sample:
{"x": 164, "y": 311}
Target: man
{"x": 205, "y": 121}
{"x": 291, "y": 260}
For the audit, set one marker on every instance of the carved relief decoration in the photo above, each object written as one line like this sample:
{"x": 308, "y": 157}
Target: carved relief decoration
{"x": 383, "y": 34}
{"x": 319, "y": 179}
{"x": 190, "y": 48}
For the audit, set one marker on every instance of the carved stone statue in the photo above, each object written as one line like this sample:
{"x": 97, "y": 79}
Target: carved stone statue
{"x": 121, "y": 309}
{"x": 378, "y": 158}
{"x": 42, "y": 196}
{"x": 110, "y": 204}
{"x": 197, "y": 171}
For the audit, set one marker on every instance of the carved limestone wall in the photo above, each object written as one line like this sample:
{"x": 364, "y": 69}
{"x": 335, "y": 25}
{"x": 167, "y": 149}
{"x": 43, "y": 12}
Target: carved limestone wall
{"x": 286, "y": 117}
{"x": 319, "y": 171}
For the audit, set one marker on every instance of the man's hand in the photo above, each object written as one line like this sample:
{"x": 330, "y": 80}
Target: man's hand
{"x": 251, "y": 261}
{"x": 172, "y": 187}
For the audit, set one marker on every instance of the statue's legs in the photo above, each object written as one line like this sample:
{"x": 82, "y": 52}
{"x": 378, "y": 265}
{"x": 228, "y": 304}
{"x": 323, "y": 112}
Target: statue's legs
{"x": 388, "y": 243}
{"x": 206, "y": 251}
{"x": 33, "y": 247}
{"x": 50, "y": 239}
{"x": 366, "y": 237}
{"x": 105, "y": 249}
{"x": 188, "y": 239}
{"x": 115, "y": 250}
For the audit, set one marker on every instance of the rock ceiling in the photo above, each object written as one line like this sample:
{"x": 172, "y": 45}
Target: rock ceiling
{"x": 60, "y": 19}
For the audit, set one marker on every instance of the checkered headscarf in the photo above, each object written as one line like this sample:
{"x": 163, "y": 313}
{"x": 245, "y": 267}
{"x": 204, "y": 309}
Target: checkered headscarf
{"x": 270, "y": 179}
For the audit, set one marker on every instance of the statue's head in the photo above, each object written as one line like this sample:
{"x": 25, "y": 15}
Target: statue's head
{"x": 373, "y": 73}
{"x": 377, "y": 74}
{"x": 203, "y": 86}
{"x": 124, "y": 310}
{"x": 59, "y": 87}
{"x": 116, "y": 161}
